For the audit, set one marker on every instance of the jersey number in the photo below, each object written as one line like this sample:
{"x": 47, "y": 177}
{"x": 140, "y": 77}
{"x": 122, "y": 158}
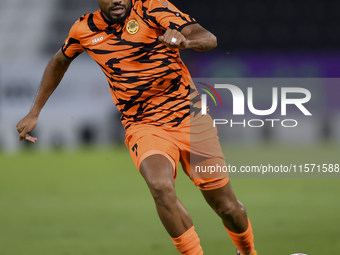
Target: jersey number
{"x": 134, "y": 149}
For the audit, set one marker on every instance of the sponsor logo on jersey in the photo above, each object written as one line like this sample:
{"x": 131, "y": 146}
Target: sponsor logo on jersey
{"x": 97, "y": 40}
{"x": 132, "y": 26}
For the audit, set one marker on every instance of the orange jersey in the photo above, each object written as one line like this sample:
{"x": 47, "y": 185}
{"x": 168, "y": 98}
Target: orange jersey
{"x": 149, "y": 82}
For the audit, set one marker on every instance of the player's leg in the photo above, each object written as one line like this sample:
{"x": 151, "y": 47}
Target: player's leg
{"x": 204, "y": 151}
{"x": 233, "y": 215}
{"x": 158, "y": 173}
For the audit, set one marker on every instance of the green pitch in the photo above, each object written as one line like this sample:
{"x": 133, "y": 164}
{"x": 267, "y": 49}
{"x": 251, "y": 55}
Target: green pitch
{"x": 94, "y": 201}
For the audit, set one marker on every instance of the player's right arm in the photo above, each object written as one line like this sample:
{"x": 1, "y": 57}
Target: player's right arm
{"x": 53, "y": 74}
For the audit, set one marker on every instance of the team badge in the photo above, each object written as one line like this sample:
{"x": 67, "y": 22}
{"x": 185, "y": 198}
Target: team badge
{"x": 132, "y": 26}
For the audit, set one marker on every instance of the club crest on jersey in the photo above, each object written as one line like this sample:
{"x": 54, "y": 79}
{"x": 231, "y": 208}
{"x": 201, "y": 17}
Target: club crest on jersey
{"x": 132, "y": 26}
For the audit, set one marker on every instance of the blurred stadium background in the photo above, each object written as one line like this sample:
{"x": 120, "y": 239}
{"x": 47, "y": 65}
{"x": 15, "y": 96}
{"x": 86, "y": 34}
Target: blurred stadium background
{"x": 76, "y": 191}
{"x": 255, "y": 39}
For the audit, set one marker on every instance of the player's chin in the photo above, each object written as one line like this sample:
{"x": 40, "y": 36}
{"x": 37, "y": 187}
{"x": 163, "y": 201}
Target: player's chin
{"x": 117, "y": 16}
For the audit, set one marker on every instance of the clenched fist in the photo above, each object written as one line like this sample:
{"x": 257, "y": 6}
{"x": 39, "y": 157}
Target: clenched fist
{"x": 174, "y": 39}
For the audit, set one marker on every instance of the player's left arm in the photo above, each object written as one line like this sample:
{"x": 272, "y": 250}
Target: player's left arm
{"x": 193, "y": 36}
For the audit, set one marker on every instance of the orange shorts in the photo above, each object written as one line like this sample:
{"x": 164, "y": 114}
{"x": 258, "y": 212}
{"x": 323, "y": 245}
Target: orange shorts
{"x": 193, "y": 143}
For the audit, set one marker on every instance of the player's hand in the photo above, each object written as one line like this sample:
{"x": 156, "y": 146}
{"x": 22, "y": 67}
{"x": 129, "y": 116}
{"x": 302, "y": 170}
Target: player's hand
{"x": 26, "y": 125}
{"x": 174, "y": 39}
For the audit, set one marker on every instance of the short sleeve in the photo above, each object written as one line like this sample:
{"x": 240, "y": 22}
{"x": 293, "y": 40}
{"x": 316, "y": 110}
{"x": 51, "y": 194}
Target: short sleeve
{"x": 72, "y": 47}
{"x": 168, "y": 16}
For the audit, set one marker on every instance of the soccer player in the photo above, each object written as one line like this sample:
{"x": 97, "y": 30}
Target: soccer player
{"x": 136, "y": 43}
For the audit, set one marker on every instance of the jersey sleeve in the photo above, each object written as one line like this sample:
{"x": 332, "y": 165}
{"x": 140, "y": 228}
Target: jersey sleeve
{"x": 168, "y": 16}
{"x": 72, "y": 47}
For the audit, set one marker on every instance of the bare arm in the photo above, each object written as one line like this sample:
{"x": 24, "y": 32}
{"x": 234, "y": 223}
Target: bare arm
{"x": 191, "y": 37}
{"x": 53, "y": 74}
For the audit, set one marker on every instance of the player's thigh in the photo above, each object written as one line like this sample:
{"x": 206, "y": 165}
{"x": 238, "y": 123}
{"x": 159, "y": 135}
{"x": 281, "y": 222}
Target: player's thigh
{"x": 156, "y": 157}
{"x": 202, "y": 157}
{"x": 158, "y": 173}
{"x": 151, "y": 141}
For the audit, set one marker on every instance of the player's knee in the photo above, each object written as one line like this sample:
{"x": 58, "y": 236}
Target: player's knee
{"x": 163, "y": 192}
{"x": 226, "y": 210}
